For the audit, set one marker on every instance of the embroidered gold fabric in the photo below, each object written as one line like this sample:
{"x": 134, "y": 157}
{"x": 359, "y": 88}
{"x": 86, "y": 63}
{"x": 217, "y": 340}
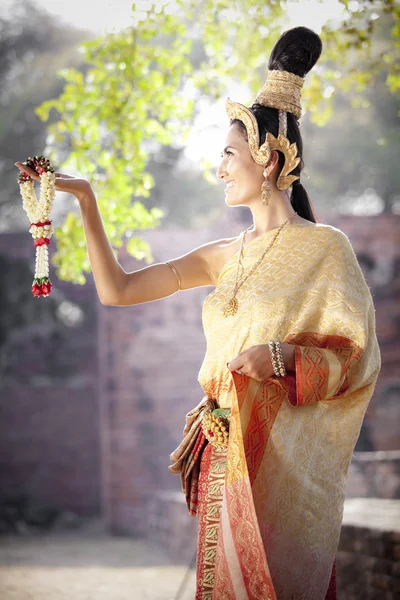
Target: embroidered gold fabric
{"x": 211, "y": 489}
{"x": 288, "y": 456}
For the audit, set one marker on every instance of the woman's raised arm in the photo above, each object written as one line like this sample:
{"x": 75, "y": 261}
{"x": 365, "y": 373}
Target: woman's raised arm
{"x": 116, "y": 287}
{"x": 159, "y": 280}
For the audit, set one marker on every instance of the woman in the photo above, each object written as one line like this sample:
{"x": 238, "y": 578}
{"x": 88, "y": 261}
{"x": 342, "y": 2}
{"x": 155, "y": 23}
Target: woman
{"x": 291, "y": 362}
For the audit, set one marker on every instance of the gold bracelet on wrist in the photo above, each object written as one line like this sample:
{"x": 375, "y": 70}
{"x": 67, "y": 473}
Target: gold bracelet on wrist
{"x": 278, "y": 364}
{"x": 282, "y": 370}
{"x": 271, "y": 345}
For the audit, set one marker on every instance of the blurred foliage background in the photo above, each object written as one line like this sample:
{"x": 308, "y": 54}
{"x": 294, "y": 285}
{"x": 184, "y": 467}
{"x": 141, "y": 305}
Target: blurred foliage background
{"x": 120, "y": 108}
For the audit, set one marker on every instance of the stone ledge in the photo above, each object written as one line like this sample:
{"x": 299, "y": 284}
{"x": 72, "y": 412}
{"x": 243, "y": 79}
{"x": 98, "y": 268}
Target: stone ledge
{"x": 377, "y": 455}
{"x": 373, "y": 513}
{"x": 368, "y": 557}
{"x": 169, "y": 524}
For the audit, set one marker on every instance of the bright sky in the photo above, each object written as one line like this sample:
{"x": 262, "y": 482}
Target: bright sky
{"x": 117, "y": 13}
{"x": 210, "y": 129}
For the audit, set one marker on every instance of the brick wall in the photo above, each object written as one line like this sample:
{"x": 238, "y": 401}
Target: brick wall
{"x": 129, "y": 375}
{"x": 375, "y": 475}
{"x": 150, "y": 357}
{"x": 49, "y": 414}
{"x": 156, "y": 351}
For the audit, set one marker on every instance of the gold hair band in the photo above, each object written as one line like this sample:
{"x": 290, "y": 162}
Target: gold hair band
{"x": 175, "y": 271}
{"x": 282, "y": 90}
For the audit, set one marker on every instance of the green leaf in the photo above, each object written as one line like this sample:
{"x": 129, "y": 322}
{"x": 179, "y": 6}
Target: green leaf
{"x": 131, "y": 97}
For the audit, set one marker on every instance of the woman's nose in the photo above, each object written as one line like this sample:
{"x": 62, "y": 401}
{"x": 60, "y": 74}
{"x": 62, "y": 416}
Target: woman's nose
{"x": 221, "y": 173}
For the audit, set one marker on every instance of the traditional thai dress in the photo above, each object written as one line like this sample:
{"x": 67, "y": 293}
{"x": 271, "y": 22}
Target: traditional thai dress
{"x": 270, "y": 506}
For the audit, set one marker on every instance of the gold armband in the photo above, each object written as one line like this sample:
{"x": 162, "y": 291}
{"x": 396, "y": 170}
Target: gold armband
{"x": 175, "y": 271}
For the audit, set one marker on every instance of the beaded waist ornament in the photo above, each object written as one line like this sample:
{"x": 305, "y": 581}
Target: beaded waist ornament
{"x": 38, "y": 212}
{"x": 215, "y": 426}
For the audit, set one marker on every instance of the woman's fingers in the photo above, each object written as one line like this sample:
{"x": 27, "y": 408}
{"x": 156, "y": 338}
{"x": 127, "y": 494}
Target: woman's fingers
{"x": 35, "y": 175}
{"x": 27, "y": 170}
{"x": 63, "y": 182}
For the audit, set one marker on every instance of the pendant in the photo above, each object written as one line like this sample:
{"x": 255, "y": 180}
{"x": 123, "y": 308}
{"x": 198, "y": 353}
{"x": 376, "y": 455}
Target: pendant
{"x": 231, "y": 308}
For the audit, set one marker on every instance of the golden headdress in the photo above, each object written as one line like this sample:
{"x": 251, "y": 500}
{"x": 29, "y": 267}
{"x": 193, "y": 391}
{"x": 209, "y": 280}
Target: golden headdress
{"x": 282, "y": 91}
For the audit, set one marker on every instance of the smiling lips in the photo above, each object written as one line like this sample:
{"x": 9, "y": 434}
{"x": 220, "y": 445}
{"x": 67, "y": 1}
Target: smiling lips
{"x": 229, "y": 185}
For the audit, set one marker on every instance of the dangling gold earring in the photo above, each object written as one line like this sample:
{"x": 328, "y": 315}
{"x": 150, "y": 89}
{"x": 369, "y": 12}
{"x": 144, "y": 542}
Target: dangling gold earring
{"x": 266, "y": 190}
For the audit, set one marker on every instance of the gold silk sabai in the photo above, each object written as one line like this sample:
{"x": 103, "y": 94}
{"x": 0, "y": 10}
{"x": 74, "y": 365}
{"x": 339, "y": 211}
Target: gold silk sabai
{"x": 291, "y": 439}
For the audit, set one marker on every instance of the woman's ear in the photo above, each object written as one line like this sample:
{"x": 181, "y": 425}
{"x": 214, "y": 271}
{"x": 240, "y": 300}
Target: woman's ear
{"x": 270, "y": 167}
{"x": 274, "y": 159}
{"x": 273, "y": 166}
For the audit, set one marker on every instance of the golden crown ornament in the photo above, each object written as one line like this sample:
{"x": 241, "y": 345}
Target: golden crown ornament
{"x": 282, "y": 91}
{"x": 38, "y": 212}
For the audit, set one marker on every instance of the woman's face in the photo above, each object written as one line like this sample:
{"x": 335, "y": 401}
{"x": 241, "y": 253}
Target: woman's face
{"x": 239, "y": 171}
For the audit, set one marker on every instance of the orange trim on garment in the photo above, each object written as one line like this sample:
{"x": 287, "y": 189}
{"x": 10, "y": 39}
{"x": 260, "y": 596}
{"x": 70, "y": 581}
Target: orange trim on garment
{"x": 264, "y": 412}
{"x": 240, "y": 523}
{"x": 314, "y": 365}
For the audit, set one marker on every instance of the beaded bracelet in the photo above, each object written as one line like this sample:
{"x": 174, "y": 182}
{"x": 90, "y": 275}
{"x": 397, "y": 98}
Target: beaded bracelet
{"x": 278, "y": 364}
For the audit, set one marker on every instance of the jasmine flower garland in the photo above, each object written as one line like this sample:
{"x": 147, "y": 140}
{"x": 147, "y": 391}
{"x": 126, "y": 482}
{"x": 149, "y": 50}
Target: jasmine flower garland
{"x": 39, "y": 215}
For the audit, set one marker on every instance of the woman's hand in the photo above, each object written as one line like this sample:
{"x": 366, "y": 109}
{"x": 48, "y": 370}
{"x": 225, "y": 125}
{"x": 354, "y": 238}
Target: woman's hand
{"x": 255, "y": 362}
{"x": 64, "y": 183}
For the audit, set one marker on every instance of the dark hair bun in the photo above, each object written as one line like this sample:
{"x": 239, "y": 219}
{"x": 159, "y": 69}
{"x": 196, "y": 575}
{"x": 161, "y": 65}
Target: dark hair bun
{"x": 296, "y": 51}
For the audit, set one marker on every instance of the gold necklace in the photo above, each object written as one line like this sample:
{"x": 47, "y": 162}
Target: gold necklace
{"x": 232, "y": 306}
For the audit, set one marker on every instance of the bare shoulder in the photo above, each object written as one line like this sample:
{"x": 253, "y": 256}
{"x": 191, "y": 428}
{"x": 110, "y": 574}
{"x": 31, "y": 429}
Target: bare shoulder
{"x": 201, "y": 266}
{"x": 216, "y": 254}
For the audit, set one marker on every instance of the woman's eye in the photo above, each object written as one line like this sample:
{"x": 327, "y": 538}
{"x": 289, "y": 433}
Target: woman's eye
{"x": 227, "y": 152}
